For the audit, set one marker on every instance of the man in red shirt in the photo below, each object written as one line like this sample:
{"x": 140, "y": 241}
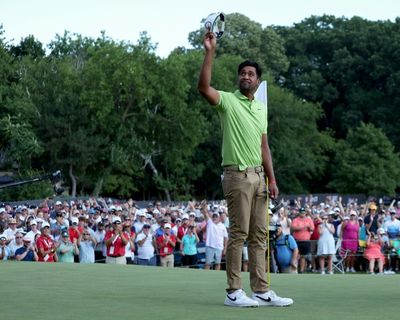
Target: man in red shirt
{"x": 183, "y": 229}
{"x": 116, "y": 240}
{"x": 46, "y": 246}
{"x": 302, "y": 228}
{"x": 166, "y": 244}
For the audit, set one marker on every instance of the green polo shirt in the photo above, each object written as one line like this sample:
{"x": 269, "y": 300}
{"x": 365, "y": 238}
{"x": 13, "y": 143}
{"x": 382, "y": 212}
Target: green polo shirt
{"x": 243, "y": 123}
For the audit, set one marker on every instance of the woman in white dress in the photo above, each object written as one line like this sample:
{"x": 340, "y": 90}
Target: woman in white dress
{"x": 326, "y": 244}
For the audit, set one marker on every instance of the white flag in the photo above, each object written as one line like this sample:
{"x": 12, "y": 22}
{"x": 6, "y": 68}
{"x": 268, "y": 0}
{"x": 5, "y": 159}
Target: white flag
{"x": 261, "y": 93}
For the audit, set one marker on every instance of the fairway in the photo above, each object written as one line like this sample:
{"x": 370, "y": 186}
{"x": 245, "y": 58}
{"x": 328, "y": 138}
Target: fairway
{"x": 76, "y": 291}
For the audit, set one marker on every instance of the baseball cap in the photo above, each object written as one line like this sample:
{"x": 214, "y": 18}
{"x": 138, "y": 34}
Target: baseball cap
{"x": 373, "y": 206}
{"x": 167, "y": 226}
{"x": 26, "y": 239}
{"x": 45, "y": 224}
{"x": 116, "y": 220}
{"x": 381, "y": 231}
{"x": 3, "y": 237}
{"x": 185, "y": 216}
{"x": 12, "y": 220}
{"x": 58, "y": 203}
{"x": 74, "y": 220}
{"x": 64, "y": 234}
{"x": 33, "y": 221}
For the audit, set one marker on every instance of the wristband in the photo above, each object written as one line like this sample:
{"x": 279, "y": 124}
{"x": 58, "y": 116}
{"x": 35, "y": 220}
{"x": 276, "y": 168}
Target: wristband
{"x": 272, "y": 181}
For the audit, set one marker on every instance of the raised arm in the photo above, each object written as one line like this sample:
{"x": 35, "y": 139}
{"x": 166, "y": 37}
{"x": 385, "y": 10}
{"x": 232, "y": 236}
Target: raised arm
{"x": 204, "y": 85}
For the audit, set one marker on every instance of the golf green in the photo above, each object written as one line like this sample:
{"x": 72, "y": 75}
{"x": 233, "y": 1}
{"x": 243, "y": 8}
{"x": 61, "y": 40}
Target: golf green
{"x": 113, "y": 292}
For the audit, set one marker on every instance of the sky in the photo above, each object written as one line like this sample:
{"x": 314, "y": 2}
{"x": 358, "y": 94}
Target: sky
{"x": 167, "y": 22}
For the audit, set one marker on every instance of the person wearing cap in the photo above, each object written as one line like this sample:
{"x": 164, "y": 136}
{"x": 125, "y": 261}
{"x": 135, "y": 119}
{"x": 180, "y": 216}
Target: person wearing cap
{"x": 100, "y": 249}
{"x": 45, "y": 245}
{"x": 5, "y": 251}
{"x": 146, "y": 247}
{"x": 27, "y": 252}
{"x": 285, "y": 251}
{"x": 59, "y": 225}
{"x": 66, "y": 249}
{"x": 115, "y": 241}
{"x": 183, "y": 229}
{"x": 140, "y": 221}
{"x": 73, "y": 230}
{"x": 131, "y": 235}
{"x": 166, "y": 245}
{"x": 326, "y": 244}
{"x": 216, "y": 239}
{"x": 392, "y": 226}
{"x": 11, "y": 230}
{"x": 86, "y": 244}
{"x": 302, "y": 229}
{"x": 372, "y": 222}
{"x": 349, "y": 234}
{"x": 34, "y": 230}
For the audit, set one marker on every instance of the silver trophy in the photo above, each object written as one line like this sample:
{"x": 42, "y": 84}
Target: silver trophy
{"x": 215, "y": 23}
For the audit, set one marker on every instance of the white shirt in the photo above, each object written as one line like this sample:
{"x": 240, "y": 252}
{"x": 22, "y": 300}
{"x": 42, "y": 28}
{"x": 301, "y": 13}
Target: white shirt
{"x": 146, "y": 251}
{"x": 215, "y": 234}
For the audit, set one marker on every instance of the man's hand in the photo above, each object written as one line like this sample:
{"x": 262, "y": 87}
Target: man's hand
{"x": 273, "y": 190}
{"x": 210, "y": 42}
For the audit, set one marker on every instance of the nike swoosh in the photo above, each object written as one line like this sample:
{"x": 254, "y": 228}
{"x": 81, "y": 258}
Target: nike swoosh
{"x": 232, "y": 299}
{"x": 266, "y": 300}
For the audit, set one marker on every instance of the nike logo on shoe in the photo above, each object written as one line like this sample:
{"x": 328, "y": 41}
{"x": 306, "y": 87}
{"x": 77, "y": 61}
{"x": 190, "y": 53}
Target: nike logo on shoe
{"x": 266, "y": 300}
{"x": 232, "y": 299}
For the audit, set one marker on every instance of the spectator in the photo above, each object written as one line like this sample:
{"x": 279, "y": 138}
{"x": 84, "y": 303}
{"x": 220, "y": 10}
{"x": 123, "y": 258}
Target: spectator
{"x": 326, "y": 244}
{"x": 10, "y": 232}
{"x": 216, "y": 239}
{"x": 285, "y": 251}
{"x": 34, "y": 230}
{"x": 45, "y": 245}
{"x": 141, "y": 216}
{"x": 373, "y": 252}
{"x": 146, "y": 247}
{"x": 116, "y": 240}
{"x": 67, "y": 249}
{"x": 302, "y": 228}
{"x": 189, "y": 247}
{"x": 130, "y": 235}
{"x": 314, "y": 239}
{"x": 392, "y": 227}
{"x": 74, "y": 233}
{"x": 86, "y": 244}
{"x": 166, "y": 244}
{"x": 16, "y": 243}
{"x": 349, "y": 235}
{"x": 371, "y": 221}
{"x": 182, "y": 230}
{"x": 27, "y": 252}
{"x": 100, "y": 249}
{"x": 5, "y": 251}
{"x": 59, "y": 225}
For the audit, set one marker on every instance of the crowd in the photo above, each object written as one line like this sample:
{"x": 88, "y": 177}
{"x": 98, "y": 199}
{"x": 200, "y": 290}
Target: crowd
{"x": 305, "y": 236}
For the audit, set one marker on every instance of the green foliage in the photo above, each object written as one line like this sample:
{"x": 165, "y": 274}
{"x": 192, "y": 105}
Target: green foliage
{"x": 366, "y": 162}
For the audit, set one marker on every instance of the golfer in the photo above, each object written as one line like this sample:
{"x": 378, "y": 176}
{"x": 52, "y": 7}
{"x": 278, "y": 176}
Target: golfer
{"x": 245, "y": 158}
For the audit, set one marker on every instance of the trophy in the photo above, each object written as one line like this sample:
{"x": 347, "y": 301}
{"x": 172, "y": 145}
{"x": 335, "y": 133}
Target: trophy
{"x": 215, "y": 23}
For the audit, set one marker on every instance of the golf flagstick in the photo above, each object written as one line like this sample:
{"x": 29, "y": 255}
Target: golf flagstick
{"x": 261, "y": 95}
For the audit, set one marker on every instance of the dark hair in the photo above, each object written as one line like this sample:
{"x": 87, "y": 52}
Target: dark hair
{"x": 249, "y": 63}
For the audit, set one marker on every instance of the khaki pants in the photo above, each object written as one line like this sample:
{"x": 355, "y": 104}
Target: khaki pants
{"x": 116, "y": 260}
{"x": 167, "y": 261}
{"x": 246, "y": 195}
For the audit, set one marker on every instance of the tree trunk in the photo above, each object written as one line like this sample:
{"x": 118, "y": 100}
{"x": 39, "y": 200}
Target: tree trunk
{"x": 73, "y": 180}
{"x": 148, "y": 161}
{"x": 98, "y": 187}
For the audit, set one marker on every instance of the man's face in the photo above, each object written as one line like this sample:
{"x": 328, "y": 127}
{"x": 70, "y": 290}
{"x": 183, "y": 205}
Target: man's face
{"x": 248, "y": 80}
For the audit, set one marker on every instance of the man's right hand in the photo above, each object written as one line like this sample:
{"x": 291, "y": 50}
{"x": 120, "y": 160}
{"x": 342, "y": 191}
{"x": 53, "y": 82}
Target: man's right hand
{"x": 210, "y": 42}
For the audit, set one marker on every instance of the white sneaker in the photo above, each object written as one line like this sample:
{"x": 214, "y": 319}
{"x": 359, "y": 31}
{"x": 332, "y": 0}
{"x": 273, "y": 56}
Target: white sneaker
{"x": 352, "y": 270}
{"x": 238, "y": 298}
{"x": 270, "y": 298}
{"x": 322, "y": 272}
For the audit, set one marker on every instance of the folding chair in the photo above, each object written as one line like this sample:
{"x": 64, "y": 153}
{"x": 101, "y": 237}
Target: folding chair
{"x": 339, "y": 257}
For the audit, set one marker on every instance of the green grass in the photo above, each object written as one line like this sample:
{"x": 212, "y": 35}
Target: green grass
{"x": 112, "y": 292}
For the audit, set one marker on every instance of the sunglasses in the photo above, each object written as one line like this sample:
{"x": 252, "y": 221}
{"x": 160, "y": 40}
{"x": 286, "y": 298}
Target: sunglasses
{"x": 18, "y": 237}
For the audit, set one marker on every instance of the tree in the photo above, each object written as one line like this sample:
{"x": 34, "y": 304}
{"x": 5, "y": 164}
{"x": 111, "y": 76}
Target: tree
{"x": 366, "y": 162}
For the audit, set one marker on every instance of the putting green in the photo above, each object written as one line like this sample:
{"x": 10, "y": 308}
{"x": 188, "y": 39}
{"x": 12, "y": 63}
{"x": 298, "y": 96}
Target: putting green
{"x": 112, "y": 292}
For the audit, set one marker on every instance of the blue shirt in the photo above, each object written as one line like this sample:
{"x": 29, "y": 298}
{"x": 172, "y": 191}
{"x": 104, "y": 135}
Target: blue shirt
{"x": 189, "y": 244}
{"x": 29, "y": 256}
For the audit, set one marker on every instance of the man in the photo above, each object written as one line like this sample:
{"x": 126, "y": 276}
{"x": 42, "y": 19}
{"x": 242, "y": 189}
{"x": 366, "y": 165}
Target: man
{"x": 285, "y": 251}
{"x": 45, "y": 245}
{"x": 5, "y": 251}
{"x": 245, "y": 156}
{"x": 302, "y": 229}
{"x": 86, "y": 244}
{"x": 27, "y": 252}
{"x": 216, "y": 239}
{"x": 34, "y": 230}
{"x": 10, "y": 232}
{"x": 16, "y": 243}
{"x": 166, "y": 245}
{"x": 67, "y": 249}
{"x": 116, "y": 240}
{"x": 146, "y": 247}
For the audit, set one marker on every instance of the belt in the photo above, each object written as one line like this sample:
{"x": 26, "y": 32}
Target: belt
{"x": 248, "y": 169}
